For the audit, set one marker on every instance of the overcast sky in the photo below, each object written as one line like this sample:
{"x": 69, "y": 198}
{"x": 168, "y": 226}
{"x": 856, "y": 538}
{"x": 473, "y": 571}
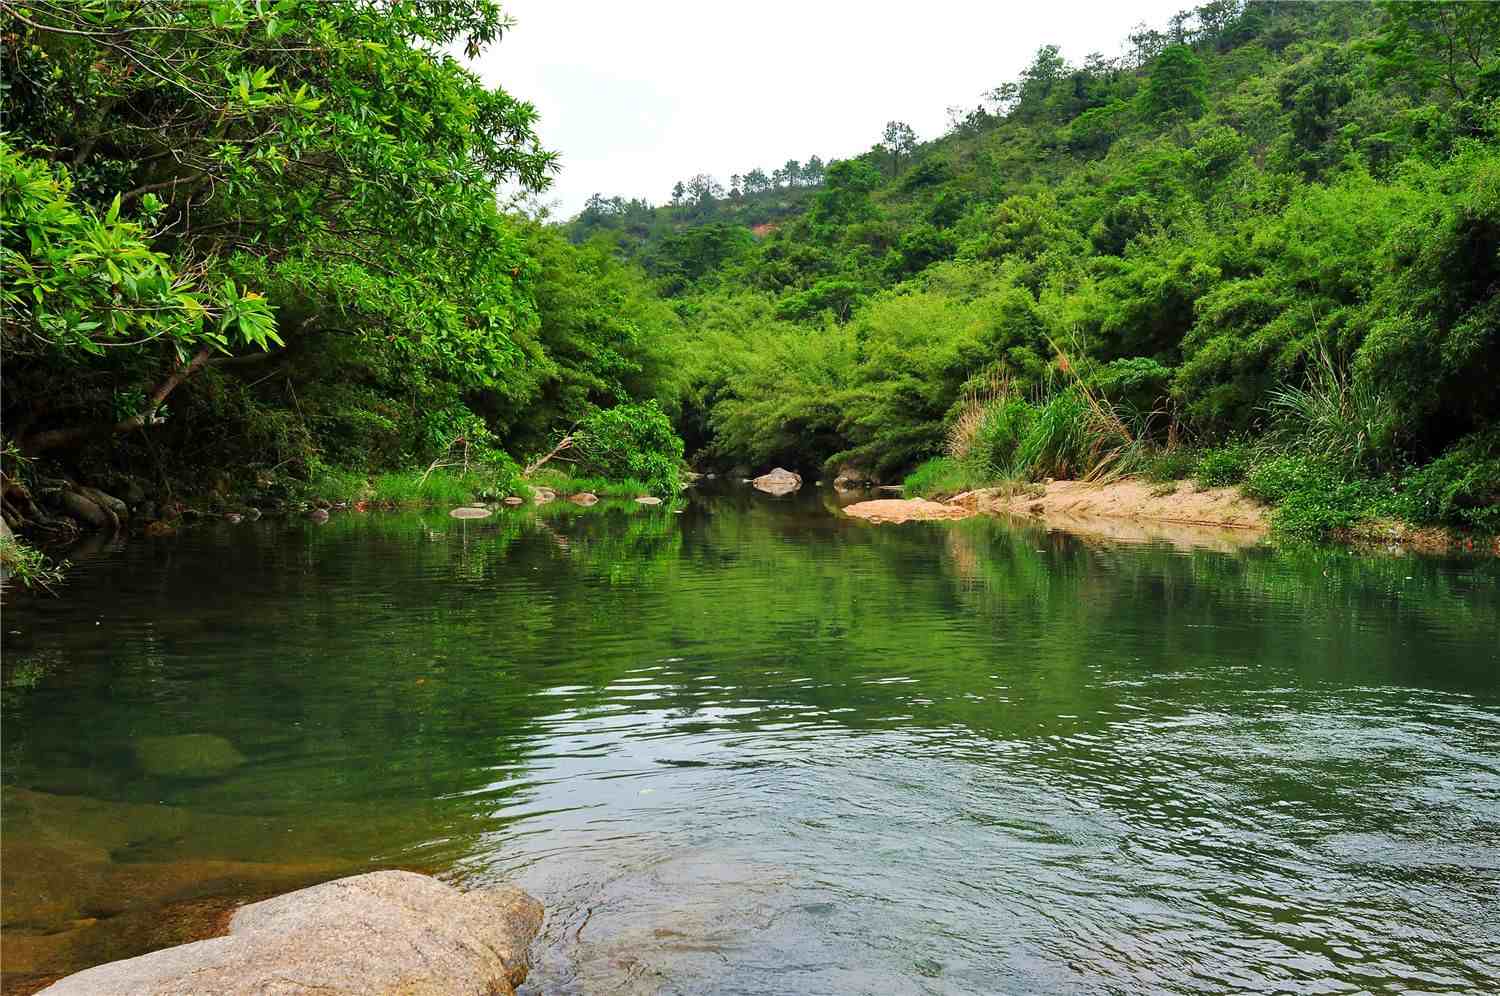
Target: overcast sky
{"x": 636, "y": 96}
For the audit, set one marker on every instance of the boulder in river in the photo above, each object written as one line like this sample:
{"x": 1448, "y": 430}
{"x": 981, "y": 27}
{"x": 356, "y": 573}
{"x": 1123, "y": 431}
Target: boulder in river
{"x": 543, "y": 495}
{"x": 648, "y": 500}
{"x": 386, "y": 932}
{"x": 470, "y": 512}
{"x": 852, "y": 478}
{"x": 778, "y": 482}
{"x": 514, "y": 500}
{"x": 187, "y": 755}
{"x": 584, "y": 498}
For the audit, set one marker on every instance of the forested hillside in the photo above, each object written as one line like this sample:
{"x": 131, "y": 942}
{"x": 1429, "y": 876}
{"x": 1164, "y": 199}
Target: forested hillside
{"x": 1264, "y": 239}
{"x": 254, "y": 248}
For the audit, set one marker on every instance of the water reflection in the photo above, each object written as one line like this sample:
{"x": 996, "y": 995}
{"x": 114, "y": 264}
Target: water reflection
{"x": 759, "y": 747}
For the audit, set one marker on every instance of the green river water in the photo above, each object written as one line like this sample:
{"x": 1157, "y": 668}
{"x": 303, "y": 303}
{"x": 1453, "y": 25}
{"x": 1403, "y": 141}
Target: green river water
{"x": 757, "y": 747}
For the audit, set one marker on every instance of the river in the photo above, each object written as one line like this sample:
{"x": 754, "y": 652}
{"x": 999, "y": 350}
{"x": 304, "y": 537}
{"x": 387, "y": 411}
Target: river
{"x": 753, "y": 746}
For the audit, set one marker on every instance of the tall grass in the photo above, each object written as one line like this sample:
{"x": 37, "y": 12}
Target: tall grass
{"x": 1068, "y": 431}
{"x": 565, "y": 484}
{"x": 943, "y": 476}
{"x": 1337, "y": 416}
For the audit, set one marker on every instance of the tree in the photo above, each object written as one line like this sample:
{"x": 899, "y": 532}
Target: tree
{"x": 1430, "y": 45}
{"x": 900, "y": 141}
{"x": 1178, "y": 84}
{"x": 757, "y": 181}
{"x": 813, "y": 172}
{"x": 792, "y": 170}
{"x": 324, "y": 160}
{"x": 679, "y": 194}
{"x": 846, "y": 196}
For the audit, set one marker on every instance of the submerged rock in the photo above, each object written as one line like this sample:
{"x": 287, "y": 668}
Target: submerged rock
{"x": 648, "y": 500}
{"x": 584, "y": 498}
{"x": 543, "y": 495}
{"x": 778, "y": 482}
{"x": 189, "y": 755}
{"x": 470, "y": 512}
{"x": 385, "y": 932}
{"x": 513, "y": 500}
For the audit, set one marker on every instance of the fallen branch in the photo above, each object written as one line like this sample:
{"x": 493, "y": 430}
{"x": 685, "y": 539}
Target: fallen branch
{"x": 439, "y": 461}
{"x": 535, "y": 465}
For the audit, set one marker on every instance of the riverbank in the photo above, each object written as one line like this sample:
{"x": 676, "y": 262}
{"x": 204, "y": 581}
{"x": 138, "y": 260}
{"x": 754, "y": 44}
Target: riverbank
{"x": 1082, "y": 506}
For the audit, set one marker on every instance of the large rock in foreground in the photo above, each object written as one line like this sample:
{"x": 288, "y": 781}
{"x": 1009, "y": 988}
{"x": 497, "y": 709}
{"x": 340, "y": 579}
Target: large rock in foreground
{"x": 387, "y": 932}
{"x": 778, "y": 482}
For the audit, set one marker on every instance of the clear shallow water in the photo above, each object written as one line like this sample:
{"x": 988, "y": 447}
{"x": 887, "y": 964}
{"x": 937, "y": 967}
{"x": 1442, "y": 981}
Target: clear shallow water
{"x": 758, "y": 748}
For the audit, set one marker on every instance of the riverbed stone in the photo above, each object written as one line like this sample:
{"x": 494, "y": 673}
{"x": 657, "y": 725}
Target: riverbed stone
{"x": 778, "y": 482}
{"x": 470, "y": 512}
{"x": 584, "y": 498}
{"x": 852, "y": 478}
{"x": 386, "y": 932}
{"x": 514, "y": 500}
{"x": 187, "y": 755}
{"x": 648, "y": 500}
{"x": 84, "y": 509}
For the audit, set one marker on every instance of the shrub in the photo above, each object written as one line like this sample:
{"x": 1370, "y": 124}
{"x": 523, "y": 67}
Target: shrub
{"x": 1459, "y": 488}
{"x": 1313, "y": 497}
{"x": 631, "y": 441}
{"x": 1223, "y": 466}
{"x": 1171, "y": 465}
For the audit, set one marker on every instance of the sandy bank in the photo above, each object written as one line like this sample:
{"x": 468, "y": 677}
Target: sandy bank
{"x": 1133, "y": 499}
{"x": 1224, "y": 508}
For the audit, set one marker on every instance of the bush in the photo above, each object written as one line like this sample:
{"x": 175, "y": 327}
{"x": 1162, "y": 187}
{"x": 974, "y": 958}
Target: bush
{"x": 1459, "y": 488}
{"x": 1223, "y": 466}
{"x": 631, "y": 441}
{"x": 1313, "y": 497}
{"x": 1171, "y": 465}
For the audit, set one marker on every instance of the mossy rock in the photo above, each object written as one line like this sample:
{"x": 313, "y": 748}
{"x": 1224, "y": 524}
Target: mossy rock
{"x": 189, "y": 755}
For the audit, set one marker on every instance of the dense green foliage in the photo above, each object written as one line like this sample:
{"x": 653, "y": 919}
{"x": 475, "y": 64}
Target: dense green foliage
{"x": 262, "y": 237}
{"x": 1271, "y": 221}
{"x": 631, "y": 442}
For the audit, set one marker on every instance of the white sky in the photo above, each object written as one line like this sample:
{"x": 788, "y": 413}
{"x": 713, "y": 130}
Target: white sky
{"x": 636, "y": 96}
